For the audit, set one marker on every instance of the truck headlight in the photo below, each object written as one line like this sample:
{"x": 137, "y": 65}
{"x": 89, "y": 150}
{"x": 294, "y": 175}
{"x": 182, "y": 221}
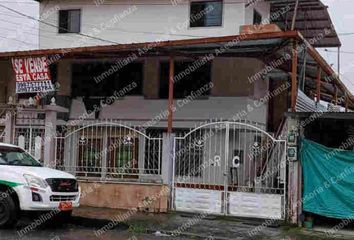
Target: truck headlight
{"x": 34, "y": 181}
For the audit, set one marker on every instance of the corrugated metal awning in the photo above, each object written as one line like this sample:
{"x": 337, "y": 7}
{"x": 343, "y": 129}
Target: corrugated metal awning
{"x": 312, "y": 19}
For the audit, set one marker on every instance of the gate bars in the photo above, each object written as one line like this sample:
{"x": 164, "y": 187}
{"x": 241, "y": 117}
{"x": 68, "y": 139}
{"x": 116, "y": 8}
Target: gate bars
{"x": 111, "y": 151}
{"x": 229, "y": 157}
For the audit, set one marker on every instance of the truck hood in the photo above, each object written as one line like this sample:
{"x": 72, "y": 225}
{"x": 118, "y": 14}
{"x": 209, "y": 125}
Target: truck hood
{"x": 42, "y": 172}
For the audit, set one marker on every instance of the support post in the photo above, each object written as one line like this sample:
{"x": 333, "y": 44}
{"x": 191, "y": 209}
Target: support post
{"x": 294, "y": 181}
{"x": 170, "y": 95}
{"x": 338, "y": 61}
{"x": 294, "y": 76}
{"x": 318, "y": 84}
{"x": 346, "y": 103}
{"x": 336, "y": 96}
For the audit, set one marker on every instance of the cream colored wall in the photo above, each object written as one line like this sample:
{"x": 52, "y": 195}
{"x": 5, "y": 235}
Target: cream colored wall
{"x": 125, "y": 195}
{"x": 151, "y": 78}
{"x": 64, "y": 77}
{"x": 230, "y": 76}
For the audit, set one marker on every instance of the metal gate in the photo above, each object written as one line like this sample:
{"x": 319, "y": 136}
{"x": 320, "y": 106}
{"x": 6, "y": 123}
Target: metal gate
{"x": 30, "y": 138}
{"x": 230, "y": 168}
{"x": 111, "y": 151}
{"x": 28, "y": 131}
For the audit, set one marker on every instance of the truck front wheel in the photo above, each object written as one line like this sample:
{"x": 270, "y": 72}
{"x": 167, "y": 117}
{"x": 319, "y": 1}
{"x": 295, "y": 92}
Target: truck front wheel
{"x": 8, "y": 211}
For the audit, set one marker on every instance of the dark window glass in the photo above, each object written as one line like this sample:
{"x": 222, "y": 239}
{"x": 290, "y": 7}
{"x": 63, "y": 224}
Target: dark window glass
{"x": 17, "y": 157}
{"x": 257, "y": 18}
{"x": 69, "y": 21}
{"x": 100, "y": 79}
{"x": 53, "y": 68}
{"x": 206, "y": 14}
{"x": 186, "y": 81}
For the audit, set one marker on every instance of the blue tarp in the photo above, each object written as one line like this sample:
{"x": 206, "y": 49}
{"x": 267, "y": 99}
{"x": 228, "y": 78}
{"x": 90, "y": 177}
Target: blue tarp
{"x": 328, "y": 177}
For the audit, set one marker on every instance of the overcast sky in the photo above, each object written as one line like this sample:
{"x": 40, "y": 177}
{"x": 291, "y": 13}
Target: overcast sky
{"x": 342, "y": 13}
{"x": 22, "y": 33}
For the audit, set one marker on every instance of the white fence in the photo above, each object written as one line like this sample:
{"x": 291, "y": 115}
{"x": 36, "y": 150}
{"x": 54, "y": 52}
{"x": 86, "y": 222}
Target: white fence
{"x": 110, "y": 151}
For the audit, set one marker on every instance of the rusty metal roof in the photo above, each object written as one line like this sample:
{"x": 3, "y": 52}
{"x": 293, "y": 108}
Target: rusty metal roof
{"x": 312, "y": 19}
{"x": 257, "y": 45}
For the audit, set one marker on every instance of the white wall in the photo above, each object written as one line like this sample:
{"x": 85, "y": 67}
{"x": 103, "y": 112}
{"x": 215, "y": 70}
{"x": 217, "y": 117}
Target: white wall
{"x": 147, "y": 20}
{"x": 262, "y": 8}
{"x": 140, "y": 110}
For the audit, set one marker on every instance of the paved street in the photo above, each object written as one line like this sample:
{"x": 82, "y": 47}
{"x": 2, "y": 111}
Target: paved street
{"x": 83, "y": 228}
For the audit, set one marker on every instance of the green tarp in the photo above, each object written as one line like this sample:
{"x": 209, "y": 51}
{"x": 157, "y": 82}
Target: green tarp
{"x": 328, "y": 177}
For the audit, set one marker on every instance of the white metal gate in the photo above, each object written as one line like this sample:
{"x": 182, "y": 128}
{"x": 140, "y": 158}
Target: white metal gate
{"x": 230, "y": 168}
{"x": 30, "y": 138}
{"x": 111, "y": 151}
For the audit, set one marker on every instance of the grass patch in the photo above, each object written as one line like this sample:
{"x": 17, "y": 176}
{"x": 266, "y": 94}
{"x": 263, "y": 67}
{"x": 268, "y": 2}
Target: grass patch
{"x": 137, "y": 229}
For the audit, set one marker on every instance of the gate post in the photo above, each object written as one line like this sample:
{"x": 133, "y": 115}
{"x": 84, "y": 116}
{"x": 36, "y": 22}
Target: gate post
{"x": 49, "y": 143}
{"x": 167, "y": 158}
{"x": 9, "y": 125}
{"x": 295, "y": 182}
{"x": 167, "y": 165}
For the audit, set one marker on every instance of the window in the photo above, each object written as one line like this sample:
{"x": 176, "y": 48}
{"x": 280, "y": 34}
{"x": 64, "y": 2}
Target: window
{"x": 102, "y": 80}
{"x": 17, "y": 157}
{"x": 257, "y": 18}
{"x": 206, "y": 14}
{"x": 186, "y": 80}
{"x": 69, "y": 21}
{"x": 53, "y": 69}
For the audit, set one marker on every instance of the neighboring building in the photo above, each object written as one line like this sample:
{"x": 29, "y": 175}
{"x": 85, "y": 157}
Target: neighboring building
{"x": 203, "y": 115}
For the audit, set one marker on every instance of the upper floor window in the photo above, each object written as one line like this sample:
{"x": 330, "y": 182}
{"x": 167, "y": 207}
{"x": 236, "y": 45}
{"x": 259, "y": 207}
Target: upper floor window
{"x": 69, "y": 21}
{"x": 99, "y": 79}
{"x": 257, "y": 18}
{"x": 206, "y": 13}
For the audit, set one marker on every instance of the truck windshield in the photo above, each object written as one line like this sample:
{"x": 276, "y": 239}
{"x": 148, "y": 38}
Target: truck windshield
{"x": 17, "y": 157}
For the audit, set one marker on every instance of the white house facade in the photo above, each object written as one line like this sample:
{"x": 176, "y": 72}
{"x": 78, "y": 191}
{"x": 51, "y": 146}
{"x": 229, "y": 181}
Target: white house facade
{"x": 124, "y": 21}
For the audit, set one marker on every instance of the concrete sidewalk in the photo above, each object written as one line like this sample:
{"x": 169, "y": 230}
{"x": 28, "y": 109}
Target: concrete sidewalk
{"x": 200, "y": 226}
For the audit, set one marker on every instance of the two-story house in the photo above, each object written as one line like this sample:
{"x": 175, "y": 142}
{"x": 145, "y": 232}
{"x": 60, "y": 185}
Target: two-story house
{"x": 188, "y": 95}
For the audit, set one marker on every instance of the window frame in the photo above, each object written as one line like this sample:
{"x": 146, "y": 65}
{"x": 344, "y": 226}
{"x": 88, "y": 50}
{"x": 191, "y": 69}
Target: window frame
{"x": 60, "y": 30}
{"x": 257, "y": 14}
{"x": 205, "y": 26}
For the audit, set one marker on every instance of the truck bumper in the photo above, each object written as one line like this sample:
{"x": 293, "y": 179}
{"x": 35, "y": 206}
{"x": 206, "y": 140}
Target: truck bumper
{"x": 49, "y": 200}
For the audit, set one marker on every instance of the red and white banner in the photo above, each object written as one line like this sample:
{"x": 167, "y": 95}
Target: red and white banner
{"x": 32, "y": 75}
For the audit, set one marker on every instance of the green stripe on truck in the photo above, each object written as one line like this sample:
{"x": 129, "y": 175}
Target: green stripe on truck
{"x": 10, "y": 184}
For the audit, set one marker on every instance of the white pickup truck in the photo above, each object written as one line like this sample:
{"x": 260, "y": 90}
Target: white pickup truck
{"x": 25, "y": 185}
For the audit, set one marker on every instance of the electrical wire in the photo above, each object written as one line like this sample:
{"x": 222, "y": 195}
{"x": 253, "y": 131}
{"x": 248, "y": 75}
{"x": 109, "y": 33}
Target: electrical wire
{"x": 345, "y": 52}
{"x": 177, "y": 2}
{"x": 57, "y": 27}
{"x": 13, "y": 39}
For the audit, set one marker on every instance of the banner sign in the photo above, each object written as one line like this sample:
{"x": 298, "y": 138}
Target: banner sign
{"x": 32, "y": 75}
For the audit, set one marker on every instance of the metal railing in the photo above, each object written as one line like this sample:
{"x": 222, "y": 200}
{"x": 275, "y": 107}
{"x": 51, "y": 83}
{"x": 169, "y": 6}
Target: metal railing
{"x": 111, "y": 151}
{"x": 2, "y": 135}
